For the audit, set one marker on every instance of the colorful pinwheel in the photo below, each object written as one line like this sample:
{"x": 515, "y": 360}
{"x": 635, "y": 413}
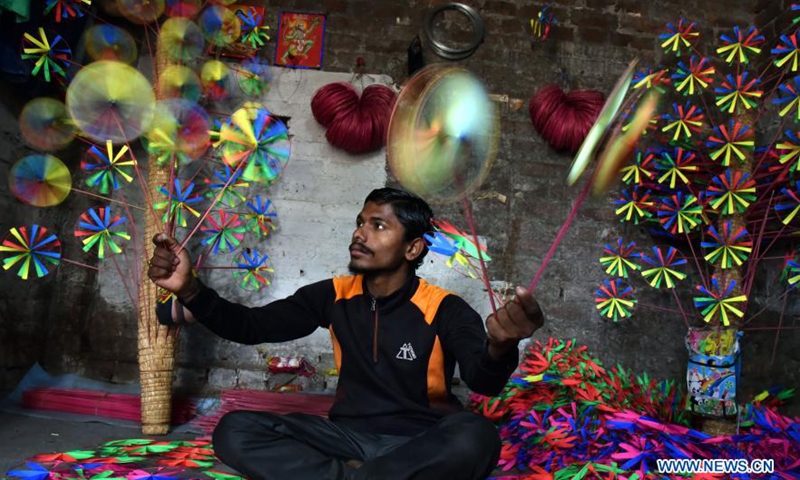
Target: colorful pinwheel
{"x": 716, "y": 304}
{"x": 639, "y": 171}
{"x": 179, "y": 133}
{"x": 676, "y": 165}
{"x": 34, "y": 471}
{"x": 789, "y": 204}
{"x": 694, "y": 77}
{"x": 261, "y": 216}
{"x": 738, "y": 46}
{"x": 737, "y": 95}
{"x": 179, "y": 202}
{"x": 791, "y": 97}
{"x": 634, "y": 204}
{"x": 651, "y": 79}
{"x": 259, "y": 140}
{"x": 35, "y": 250}
{"x": 662, "y": 268}
{"x": 614, "y": 299}
{"x": 106, "y": 167}
{"x": 63, "y": 9}
{"x": 228, "y": 185}
{"x": 617, "y": 259}
{"x": 789, "y": 49}
{"x": 677, "y": 37}
{"x": 540, "y": 26}
{"x": 731, "y": 246}
{"x": 687, "y": 119}
{"x": 442, "y": 244}
{"x": 98, "y": 230}
{"x": 789, "y": 150}
{"x": 253, "y": 32}
{"x": 51, "y": 57}
{"x": 732, "y": 192}
{"x": 729, "y": 141}
{"x": 224, "y": 232}
{"x": 254, "y": 76}
{"x": 793, "y": 272}
{"x": 679, "y": 213}
{"x": 252, "y": 272}
{"x": 462, "y": 240}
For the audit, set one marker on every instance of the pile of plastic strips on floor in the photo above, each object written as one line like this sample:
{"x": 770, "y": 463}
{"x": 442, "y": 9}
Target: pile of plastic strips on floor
{"x": 565, "y": 416}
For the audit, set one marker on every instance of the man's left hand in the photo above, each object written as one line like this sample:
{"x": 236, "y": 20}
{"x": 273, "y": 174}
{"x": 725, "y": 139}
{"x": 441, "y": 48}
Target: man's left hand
{"x": 517, "y": 320}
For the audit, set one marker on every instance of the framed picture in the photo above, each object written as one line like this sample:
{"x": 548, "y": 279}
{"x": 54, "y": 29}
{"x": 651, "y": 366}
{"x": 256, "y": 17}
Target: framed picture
{"x": 301, "y": 39}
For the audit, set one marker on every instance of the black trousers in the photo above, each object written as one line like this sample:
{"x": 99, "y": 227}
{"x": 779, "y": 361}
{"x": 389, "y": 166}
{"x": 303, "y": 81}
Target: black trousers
{"x": 261, "y": 445}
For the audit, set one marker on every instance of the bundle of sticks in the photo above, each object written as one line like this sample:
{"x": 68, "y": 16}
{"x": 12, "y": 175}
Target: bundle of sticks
{"x": 100, "y": 404}
{"x": 281, "y": 403}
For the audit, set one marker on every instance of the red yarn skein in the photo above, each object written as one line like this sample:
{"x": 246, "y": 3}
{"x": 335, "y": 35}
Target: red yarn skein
{"x": 564, "y": 119}
{"x": 356, "y": 125}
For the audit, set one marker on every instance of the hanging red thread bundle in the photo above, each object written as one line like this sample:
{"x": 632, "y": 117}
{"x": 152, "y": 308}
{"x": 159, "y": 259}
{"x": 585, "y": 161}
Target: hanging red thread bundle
{"x": 564, "y": 119}
{"x": 355, "y": 124}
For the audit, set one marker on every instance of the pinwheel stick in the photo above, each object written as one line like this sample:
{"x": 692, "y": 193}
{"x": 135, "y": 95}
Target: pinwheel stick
{"x": 561, "y": 233}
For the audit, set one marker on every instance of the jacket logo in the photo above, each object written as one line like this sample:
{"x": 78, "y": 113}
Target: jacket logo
{"x": 406, "y": 352}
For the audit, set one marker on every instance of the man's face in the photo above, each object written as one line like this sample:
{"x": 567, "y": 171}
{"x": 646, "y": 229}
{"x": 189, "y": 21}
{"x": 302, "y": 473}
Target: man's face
{"x": 378, "y": 243}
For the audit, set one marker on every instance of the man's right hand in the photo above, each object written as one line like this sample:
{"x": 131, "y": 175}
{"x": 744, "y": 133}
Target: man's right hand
{"x": 171, "y": 268}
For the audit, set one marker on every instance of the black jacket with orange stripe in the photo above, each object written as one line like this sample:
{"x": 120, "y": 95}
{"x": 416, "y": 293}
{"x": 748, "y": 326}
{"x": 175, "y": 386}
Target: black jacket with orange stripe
{"x": 396, "y": 354}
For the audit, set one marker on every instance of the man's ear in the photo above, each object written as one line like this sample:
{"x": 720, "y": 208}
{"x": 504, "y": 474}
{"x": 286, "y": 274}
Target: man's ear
{"x": 415, "y": 249}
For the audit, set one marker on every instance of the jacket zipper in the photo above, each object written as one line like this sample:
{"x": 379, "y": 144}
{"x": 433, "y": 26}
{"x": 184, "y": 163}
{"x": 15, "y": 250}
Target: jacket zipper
{"x": 375, "y": 333}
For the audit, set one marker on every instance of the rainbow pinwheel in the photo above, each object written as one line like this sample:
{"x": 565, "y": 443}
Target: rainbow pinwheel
{"x": 35, "y": 250}
{"x": 789, "y": 204}
{"x": 679, "y": 213}
{"x": 233, "y": 188}
{"x": 617, "y": 259}
{"x": 51, "y": 57}
{"x": 788, "y": 51}
{"x": 694, "y": 77}
{"x": 791, "y": 97}
{"x": 661, "y": 270}
{"x": 179, "y": 132}
{"x": 789, "y": 150}
{"x": 716, "y": 304}
{"x": 106, "y": 167}
{"x": 676, "y": 165}
{"x": 252, "y": 272}
{"x": 738, "y": 46}
{"x": 224, "y": 232}
{"x": 614, "y": 299}
{"x": 258, "y": 140}
{"x": 253, "y": 32}
{"x": 639, "y": 171}
{"x": 731, "y": 192}
{"x": 634, "y": 204}
{"x": 444, "y": 245}
{"x": 65, "y": 8}
{"x": 462, "y": 240}
{"x": 540, "y": 26}
{"x": 179, "y": 202}
{"x": 730, "y": 141}
{"x": 254, "y": 75}
{"x": 651, "y": 79}
{"x": 261, "y": 216}
{"x": 99, "y": 230}
{"x": 677, "y": 37}
{"x": 731, "y": 246}
{"x": 736, "y": 95}
{"x": 686, "y": 120}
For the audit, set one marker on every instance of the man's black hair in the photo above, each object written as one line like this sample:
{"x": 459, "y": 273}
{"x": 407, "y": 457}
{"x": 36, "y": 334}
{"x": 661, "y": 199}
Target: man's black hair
{"x": 413, "y": 212}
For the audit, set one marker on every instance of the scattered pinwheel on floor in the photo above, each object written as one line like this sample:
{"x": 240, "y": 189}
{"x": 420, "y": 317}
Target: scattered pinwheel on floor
{"x": 99, "y": 230}
{"x": 32, "y": 250}
{"x": 614, "y": 299}
{"x": 717, "y": 304}
{"x": 663, "y": 268}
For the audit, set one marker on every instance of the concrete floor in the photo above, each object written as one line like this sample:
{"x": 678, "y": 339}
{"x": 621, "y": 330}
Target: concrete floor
{"x": 23, "y": 436}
